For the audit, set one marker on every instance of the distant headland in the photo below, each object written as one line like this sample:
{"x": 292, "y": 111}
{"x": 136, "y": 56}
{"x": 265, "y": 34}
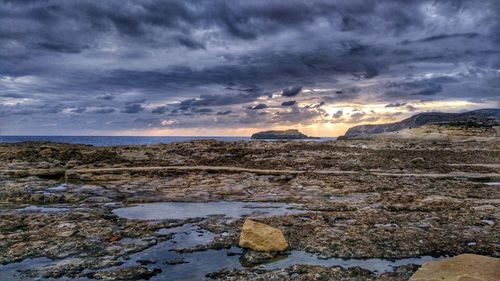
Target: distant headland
{"x": 476, "y": 118}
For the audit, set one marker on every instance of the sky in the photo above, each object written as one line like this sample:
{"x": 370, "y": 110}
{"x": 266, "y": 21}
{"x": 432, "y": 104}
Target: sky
{"x": 215, "y": 68}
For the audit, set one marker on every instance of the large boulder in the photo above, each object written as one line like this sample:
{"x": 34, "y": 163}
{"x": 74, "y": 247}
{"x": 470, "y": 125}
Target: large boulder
{"x": 466, "y": 267}
{"x": 262, "y": 237}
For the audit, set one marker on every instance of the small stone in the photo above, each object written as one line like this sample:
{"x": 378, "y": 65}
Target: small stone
{"x": 126, "y": 273}
{"x": 115, "y": 237}
{"x": 262, "y": 237}
{"x": 176, "y": 261}
{"x": 66, "y": 233}
{"x": 488, "y": 222}
{"x": 417, "y": 161}
{"x": 232, "y": 254}
{"x": 145, "y": 262}
{"x": 46, "y": 151}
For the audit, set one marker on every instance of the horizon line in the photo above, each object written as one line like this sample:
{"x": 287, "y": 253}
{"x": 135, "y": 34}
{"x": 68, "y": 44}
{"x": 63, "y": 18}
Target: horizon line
{"x": 191, "y": 136}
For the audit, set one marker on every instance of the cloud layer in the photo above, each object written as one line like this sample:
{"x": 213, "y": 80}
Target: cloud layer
{"x": 70, "y": 67}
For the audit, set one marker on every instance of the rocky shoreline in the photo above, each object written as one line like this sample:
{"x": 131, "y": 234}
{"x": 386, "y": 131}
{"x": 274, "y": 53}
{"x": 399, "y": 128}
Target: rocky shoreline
{"x": 387, "y": 199}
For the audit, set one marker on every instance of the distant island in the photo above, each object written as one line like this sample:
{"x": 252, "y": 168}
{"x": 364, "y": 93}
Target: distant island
{"x": 475, "y": 118}
{"x": 292, "y": 134}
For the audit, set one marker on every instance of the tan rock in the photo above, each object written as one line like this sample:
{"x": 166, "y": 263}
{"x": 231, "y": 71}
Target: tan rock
{"x": 262, "y": 237}
{"x": 466, "y": 267}
{"x": 66, "y": 233}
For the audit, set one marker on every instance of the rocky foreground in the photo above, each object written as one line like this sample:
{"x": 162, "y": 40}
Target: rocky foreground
{"x": 388, "y": 198}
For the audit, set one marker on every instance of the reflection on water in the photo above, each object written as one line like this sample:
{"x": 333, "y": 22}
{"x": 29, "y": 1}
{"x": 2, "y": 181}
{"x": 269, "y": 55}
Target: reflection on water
{"x": 197, "y": 265}
{"x": 374, "y": 265}
{"x": 39, "y": 209}
{"x": 182, "y": 211}
{"x": 492, "y": 183}
{"x": 10, "y": 271}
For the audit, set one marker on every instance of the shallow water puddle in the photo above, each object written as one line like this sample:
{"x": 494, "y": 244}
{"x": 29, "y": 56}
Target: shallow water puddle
{"x": 492, "y": 183}
{"x": 58, "y": 188}
{"x": 374, "y": 265}
{"x": 38, "y": 209}
{"x": 10, "y": 271}
{"x": 182, "y": 211}
{"x": 196, "y": 265}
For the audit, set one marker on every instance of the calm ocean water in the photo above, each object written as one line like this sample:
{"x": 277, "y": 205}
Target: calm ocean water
{"x": 121, "y": 140}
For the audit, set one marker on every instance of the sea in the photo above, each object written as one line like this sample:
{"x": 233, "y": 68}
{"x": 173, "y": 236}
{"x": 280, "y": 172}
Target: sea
{"x": 125, "y": 140}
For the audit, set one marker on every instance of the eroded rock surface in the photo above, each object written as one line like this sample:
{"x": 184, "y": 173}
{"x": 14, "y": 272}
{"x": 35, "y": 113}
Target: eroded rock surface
{"x": 358, "y": 199}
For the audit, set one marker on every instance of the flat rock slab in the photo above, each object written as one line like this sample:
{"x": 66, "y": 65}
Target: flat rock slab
{"x": 466, "y": 267}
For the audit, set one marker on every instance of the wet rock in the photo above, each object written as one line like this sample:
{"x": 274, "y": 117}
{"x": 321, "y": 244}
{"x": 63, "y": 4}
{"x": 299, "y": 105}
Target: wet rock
{"x": 126, "y": 273}
{"x": 72, "y": 267}
{"x": 232, "y": 254}
{"x": 295, "y": 272}
{"x": 400, "y": 273}
{"x": 145, "y": 262}
{"x": 261, "y": 237}
{"x": 466, "y": 267}
{"x": 115, "y": 237}
{"x": 176, "y": 261}
{"x": 252, "y": 258}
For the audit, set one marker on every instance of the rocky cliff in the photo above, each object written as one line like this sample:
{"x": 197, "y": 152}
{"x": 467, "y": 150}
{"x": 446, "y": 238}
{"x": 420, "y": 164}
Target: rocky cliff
{"x": 476, "y": 118}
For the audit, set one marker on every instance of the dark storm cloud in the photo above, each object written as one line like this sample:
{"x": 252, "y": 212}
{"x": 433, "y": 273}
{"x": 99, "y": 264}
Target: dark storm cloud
{"x": 190, "y": 43}
{"x": 102, "y": 110}
{"x": 22, "y": 110}
{"x": 159, "y": 110}
{"x": 288, "y": 103}
{"x": 80, "y": 109}
{"x": 397, "y": 104}
{"x": 258, "y": 106}
{"x": 302, "y": 115}
{"x": 217, "y": 100}
{"x": 197, "y": 111}
{"x": 139, "y": 19}
{"x": 338, "y": 114}
{"x": 411, "y": 108}
{"x": 421, "y": 87}
{"x": 62, "y": 48}
{"x": 132, "y": 108}
{"x": 193, "y": 57}
{"x": 318, "y": 105}
{"x": 106, "y": 97}
{"x": 438, "y": 37}
{"x": 12, "y": 95}
{"x": 226, "y": 112}
{"x": 429, "y": 91}
{"x": 291, "y": 91}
